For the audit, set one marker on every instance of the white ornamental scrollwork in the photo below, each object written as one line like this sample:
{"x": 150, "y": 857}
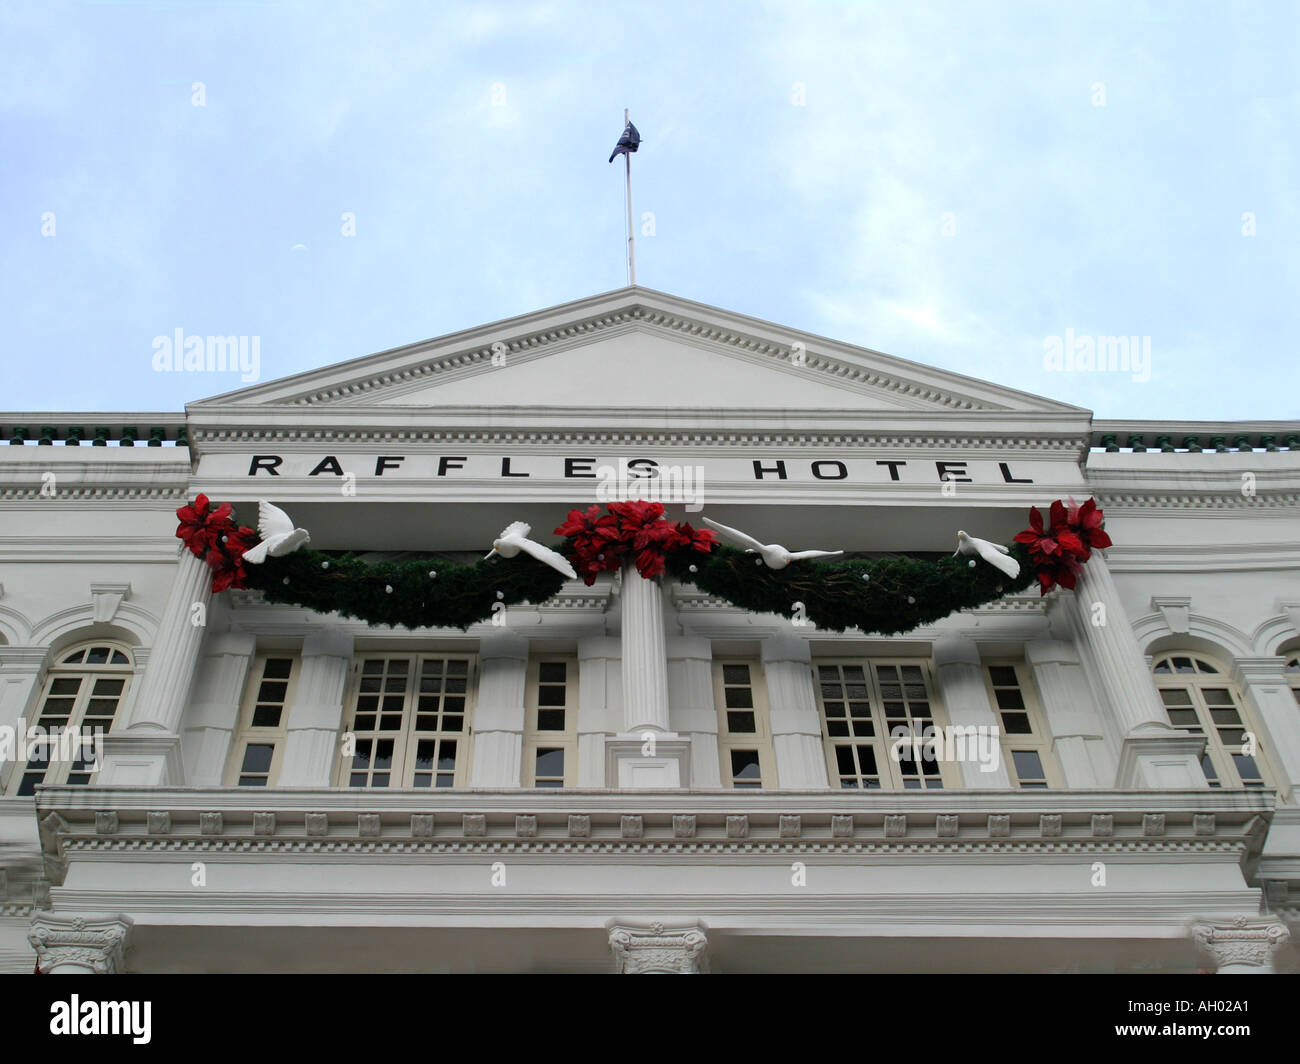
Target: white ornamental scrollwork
{"x": 1243, "y": 942}
{"x": 658, "y": 950}
{"x": 78, "y": 942}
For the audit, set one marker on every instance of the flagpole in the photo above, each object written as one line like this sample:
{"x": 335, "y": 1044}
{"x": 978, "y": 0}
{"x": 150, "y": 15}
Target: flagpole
{"x": 631, "y": 240}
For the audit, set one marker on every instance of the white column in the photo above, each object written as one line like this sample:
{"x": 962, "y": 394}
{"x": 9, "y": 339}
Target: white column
{"x": 645, "y": 754}
{"x": 1244, "y": 946}
{"x": 1154, "y": 754}
{"x": 147, "y": 752}
{"x": 20, "y": 668}
{"x": 960, "y": 677}
{"x": 499, "y": 711}
{"x": 1078, "y": 732}
{"x": 213, "y": 714}
{"x": 80, "y": 945}
{"x": 1265, "y": 686}
{"x": 600, "y": 706}
{"x": 795, "y": 720}
{"x": 311, "y": 747}
{"x": 692, "y": 713}
{"x": 645, "y": 660}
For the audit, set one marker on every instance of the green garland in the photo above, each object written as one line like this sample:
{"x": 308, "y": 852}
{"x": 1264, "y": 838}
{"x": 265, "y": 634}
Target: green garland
{"x": 835, "y": 595}
{"x": 404, "y": 593}
{"x": 885, "y": 596}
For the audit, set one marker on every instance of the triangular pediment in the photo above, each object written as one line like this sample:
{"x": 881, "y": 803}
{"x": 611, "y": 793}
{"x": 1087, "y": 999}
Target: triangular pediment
{"x": 635, "y": 349}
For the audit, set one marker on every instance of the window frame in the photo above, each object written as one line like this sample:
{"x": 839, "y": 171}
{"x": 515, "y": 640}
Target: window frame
{"x": 759, "y": 740}
{"x": 56, "y": 772}
{"x": 250, "y": 734}
{"x": 406, "y": 739}
{"x": 535, "y": 737}
{"x": 1216, "y": 750}
{"x": 1039, "y": 740}
{"x": 886, "y": 767}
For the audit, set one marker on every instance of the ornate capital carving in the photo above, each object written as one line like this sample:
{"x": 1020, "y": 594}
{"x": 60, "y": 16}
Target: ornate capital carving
{"x": 1242, "y": 943}
{"x": 656, "y": 950}
{"x": 80, "y": 944}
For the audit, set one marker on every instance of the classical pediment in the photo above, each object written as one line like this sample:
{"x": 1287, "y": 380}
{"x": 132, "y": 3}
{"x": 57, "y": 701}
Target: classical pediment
{"x": 634, "y": 349}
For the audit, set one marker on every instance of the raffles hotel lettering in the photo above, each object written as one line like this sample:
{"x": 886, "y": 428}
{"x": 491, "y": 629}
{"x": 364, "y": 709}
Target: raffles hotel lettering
{"x": 864, "y": 470}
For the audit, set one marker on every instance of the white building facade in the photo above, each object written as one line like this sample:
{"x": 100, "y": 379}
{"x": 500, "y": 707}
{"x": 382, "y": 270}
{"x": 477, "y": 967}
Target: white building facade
{"x": 636, "y": 776}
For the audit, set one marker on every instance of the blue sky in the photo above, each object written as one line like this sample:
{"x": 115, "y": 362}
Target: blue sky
{"x": 956, "y": 184}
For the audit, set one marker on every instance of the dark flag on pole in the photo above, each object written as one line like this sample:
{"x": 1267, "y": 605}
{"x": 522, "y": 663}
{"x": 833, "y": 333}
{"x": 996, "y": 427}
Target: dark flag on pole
{"x": 628, "y": 142}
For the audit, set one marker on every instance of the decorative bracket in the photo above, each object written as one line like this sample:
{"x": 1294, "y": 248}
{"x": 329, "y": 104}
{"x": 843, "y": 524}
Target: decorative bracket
{"x": 106, "y": 598}
{"x": 1176, "y": 610}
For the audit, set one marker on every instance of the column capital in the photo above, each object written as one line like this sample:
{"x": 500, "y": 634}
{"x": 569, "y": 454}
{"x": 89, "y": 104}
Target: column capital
{"x": 658, "y": 950}
{"x": 330, "y": 642}
{"x": 238, "y": 643}
{"x": 496, "y": 643}
{"x": 689, "y": 647}
{"x": 952, "y": 648}
{"x": 782, "y": 646}
{"x": 80, "y": 945}
{"x": 1048, "y": 651}
{"x": 23, "y": 659}
{"x": 1249, "y": 671}
{"x": 1244, "y": 944}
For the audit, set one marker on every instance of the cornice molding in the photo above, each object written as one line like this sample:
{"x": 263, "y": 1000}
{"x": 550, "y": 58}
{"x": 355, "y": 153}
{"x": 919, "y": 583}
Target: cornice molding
{"x": 966, "y": 436}
{"x": 1136, "y": 504}
{"x": 150, "y": 821}
{"x": 168, "y": 492}
{"x": 401, "y": 370}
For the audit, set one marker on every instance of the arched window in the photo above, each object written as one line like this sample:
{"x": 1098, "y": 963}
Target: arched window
{"x": 1200, "y": 699}
{"x": 1293, "y": 674}
{"x": 82, "y": 695}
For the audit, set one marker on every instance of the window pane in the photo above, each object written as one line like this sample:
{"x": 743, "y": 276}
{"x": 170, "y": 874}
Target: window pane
{"x": 1010, "y": 698}
{"x": 739, "y": 698}
{"x": 744, "y": 765}
{"x": 266, "y": 717}
{"x": 1003, "y": 676}
{"x": 741, "y": 723}
{"x": 552, "y": 672}
{"x": 737, "y": 674}
{"x": 550, "y": 762}
{"x": 257, "y": 757}
{"x": 277, "y": 668}
{"x": 1028, "y": 765}
{"x": 1016, "y": 723}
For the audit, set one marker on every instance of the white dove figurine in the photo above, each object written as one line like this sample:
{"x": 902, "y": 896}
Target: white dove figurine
{"x": 515, "y": 538}
{"x": 774, "y": 555}
{"x": 279, "y": 537}
{"x": 994, "y": 553}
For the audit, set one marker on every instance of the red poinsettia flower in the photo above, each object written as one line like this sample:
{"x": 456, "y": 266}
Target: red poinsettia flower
{"x": 1057, "y": 551}
{"x": 226, "y": 558}
{"x": 200, "y": 524}
{"x": 698, "y": 539}
{"x": 599, "y": 542}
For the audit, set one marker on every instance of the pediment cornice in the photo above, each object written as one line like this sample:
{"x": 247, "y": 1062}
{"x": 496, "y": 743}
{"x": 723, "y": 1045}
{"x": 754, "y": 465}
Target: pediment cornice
{"x": 395, "y": 374}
